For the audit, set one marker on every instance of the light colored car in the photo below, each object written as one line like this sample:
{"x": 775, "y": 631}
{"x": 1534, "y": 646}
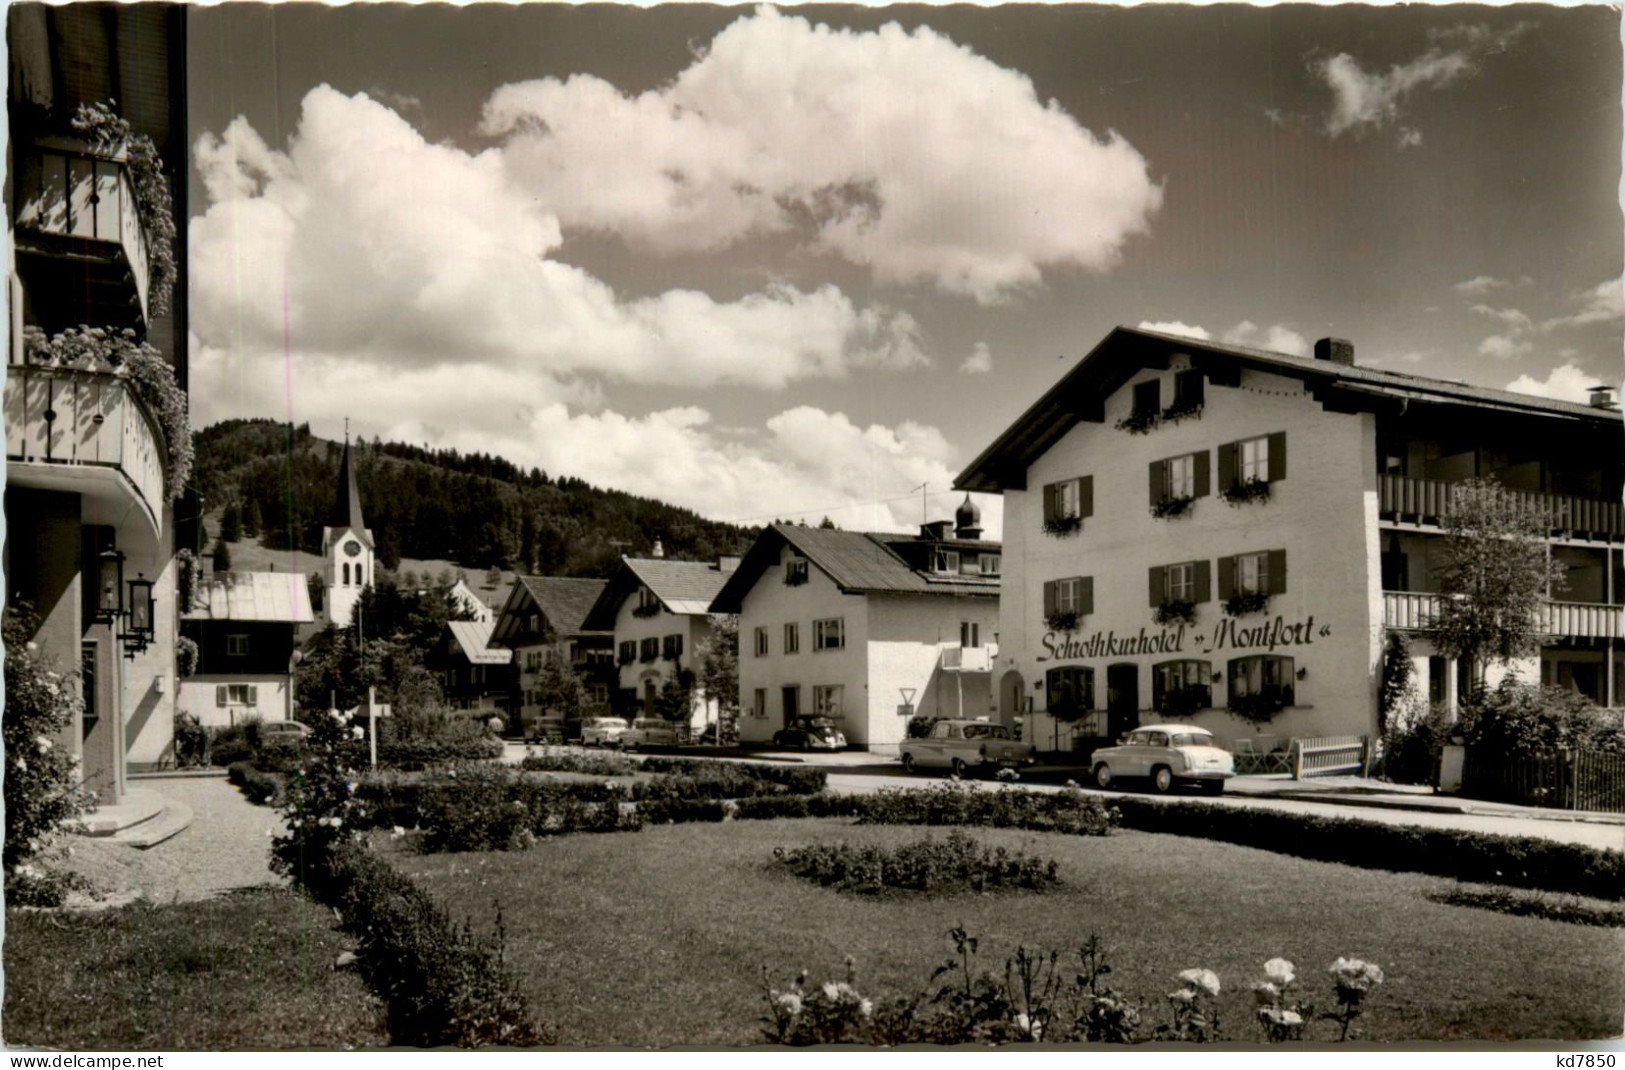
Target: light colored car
{"x": 603, "y": 731}
{"x": 1166, "y": 755}
{"x": 964, "y": 746}
{"x": 649, "y": 732}
{"x": 275, "y": 731}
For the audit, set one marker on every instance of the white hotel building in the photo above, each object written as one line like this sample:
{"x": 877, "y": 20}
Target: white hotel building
{"x": 1192, "y": 529}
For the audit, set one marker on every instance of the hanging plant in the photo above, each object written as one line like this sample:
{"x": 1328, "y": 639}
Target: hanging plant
{"x": 1062, "y": 620}
{"x": 108, "y": 132}
{"x": 186, "y": 573}
{"x": 1169, "y": 508}
{"x": 186, "y": 657}
{"x": 1239, "y": 605}
{"x": 1253, "y": 490}
{"x": 1176, "y": 612}
{"x": 1062, "y": 526}
{"x": 102, "y": 349}
{"x": 1181, "y": 410}
{"x": 1139, "y": 423}
{"x": 1182, "y": 702}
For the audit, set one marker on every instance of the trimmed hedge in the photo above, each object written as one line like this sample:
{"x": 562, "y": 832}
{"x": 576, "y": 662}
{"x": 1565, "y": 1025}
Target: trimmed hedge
{"x": 420, "y": 753}
{"x": 1070, "y": 811}
{"x": 931, "y": 866}
{"x": 261, "y": 788}
{"x": 1520, "y": 861}
{"x": 797, "y": 779}
{"x": 1516, "y": 901}
{"x": 440, "y": 985}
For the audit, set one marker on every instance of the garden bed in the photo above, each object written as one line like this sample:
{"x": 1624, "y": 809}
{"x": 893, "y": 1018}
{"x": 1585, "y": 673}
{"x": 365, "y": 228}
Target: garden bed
{"x": 252, "y": 969}
{"x": 606, "y": 915}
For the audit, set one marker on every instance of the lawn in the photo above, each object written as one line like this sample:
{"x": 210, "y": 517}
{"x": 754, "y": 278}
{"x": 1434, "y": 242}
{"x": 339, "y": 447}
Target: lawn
{"x": 251, "y": 969}
{"x": 659, "y": 938}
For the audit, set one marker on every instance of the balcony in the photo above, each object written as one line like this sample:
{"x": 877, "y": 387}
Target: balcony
{"x": 966, "y": 659}
{"x": 1413, "y": 611}
{"x": 78, "y": 233}
{"x": 1427, "y": 502}
{"x": 84, "y": 433}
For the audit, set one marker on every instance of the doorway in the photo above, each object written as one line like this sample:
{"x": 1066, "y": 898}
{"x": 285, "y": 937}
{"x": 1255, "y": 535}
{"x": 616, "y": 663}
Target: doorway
{"x": 792, "y": 705}
{"x": 1122, "y": 699}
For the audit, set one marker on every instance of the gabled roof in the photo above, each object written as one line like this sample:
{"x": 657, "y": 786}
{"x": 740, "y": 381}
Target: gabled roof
{"x": 683, "y": 587}
{"x": 1081, "y": 393}
{"x": 562, "y": 600}
{"x": 473, "y": 638}
{"x": 856, "y": 562}
{"x": 263, "y": 597}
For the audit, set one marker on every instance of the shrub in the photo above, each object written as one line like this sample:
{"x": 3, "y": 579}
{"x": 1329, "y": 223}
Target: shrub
{"x": 191, "y": 741}
{"x": 42, "y": 780}
{"x": 732, "y": 778}
{"x": 1519, "y": 718}
{"x": 1412, "y": 744}
{"x": 1522, "y": 861}
{"x": 260, "y": 787}
{"x": 1565, "y": 908}
{"x": 588, "y": 764}
{"x": 930, "y": 865}
{"x": 229, "y": 745}
{"x": 1070, "y": 811}
{"x": 421, "y": 737}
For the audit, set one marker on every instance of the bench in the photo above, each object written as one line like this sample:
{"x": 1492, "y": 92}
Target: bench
{"x": 1328, "y": 756}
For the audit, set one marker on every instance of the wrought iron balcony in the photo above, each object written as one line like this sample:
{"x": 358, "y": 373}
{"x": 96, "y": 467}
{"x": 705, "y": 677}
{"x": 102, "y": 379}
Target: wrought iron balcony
{"x": 1427, "y": 501}
{"x": 1414, "y": 611}
{"x": 86, "y": 433}
{"x": 76, "y": 219}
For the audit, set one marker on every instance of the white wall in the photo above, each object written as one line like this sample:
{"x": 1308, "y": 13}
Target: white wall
{"x": 1323, "y": 514}
{"x": 907, "y": 634}
{"x": 197, "y": 697}
{"x": 771, "y": 604}
{"x": 147, "y": 703}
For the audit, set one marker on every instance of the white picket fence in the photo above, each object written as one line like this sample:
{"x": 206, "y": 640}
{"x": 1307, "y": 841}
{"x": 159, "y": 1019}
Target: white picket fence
{"x": 1329, "y": 755}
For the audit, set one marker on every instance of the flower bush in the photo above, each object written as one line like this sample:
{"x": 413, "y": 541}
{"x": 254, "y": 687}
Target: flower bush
{"x": 1354, "y": 979}
{"x": 1062, "y": 526}
{"x": 1280, "y": 1015}
{"x": 1245, "y": 491}
{"x": 1168, "y": 508}
{"x": 1195, "y": 1008}
{"x": 43, "y": 793}
{"x": 1239, "y": 605}
{"x": 1069, "y": 811}
{"x": 102, "y": 349}
{"x": 191, "y": 741}
{"x": 109, "y": 132}
{"x": 1139, "y": 423}
{"x": 1062, "y": 620}
{"x": 1182, "y": 410}
{"x": 1179, "y": 611}
{"x": 932, "y": 866}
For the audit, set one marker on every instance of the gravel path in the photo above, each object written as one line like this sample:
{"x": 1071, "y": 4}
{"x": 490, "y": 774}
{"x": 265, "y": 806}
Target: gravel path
{"x": 227, "y": 846}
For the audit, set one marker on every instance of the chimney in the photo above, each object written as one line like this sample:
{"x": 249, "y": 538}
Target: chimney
{"x": 937, "y": 530}
{"x": 658, "y": 551}
{"x": 1336, "y": 350}
{"x": 1603, "y": 397}
{"x": 727, "y": 563}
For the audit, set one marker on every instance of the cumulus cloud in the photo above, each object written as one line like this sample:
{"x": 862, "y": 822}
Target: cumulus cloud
{"x": 1515, "y": 320}
{"x": 1365, "y": 100}
{"x": 1276, "y": 338}
{"x": 1603, "y": 303}
{"x": 980, "y": 361}
{"x": 901, "y": 151}
{"x": 364, "y": 239}
{"x": 1566, "y": 382}
{"x": 1480, "y": 285}
{"x": 1503, "y": 346}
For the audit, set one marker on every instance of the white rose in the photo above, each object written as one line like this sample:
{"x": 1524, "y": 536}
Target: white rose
{"x": 1280, "y": 971}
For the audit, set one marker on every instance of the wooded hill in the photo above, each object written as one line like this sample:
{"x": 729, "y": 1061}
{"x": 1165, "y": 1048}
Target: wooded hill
{"x": 477, "y": 510}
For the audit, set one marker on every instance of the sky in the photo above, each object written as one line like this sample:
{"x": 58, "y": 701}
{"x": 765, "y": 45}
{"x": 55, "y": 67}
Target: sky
{"x": 800, "y": 262}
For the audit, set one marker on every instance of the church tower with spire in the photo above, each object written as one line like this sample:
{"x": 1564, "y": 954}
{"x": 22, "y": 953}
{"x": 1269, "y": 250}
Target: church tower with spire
{"x": 347, "y": 547}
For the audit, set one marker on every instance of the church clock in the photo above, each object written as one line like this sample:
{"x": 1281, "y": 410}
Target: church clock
{"x": 352, "y": 548}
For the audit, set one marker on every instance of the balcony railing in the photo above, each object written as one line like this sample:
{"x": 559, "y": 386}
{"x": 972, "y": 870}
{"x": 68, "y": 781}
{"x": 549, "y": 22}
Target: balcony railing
{"x": 1428, "y": 501}
{"x": 63, "y": 426}
{"x": 1414, "y": 611}
{"x": 967, "y": 659}
{"x": 67, "y": 191}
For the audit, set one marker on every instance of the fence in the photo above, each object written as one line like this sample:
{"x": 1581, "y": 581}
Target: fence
{"x": 1327, "y": 755}
{"x": 1564, "y": 780}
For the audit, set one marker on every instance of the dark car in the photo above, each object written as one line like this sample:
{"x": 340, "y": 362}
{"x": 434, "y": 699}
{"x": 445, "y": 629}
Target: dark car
{"x": 810, "y": 733}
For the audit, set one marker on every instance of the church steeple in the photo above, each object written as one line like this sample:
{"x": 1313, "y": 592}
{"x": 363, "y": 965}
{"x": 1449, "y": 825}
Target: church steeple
{"x": 347, "y": 546}
{"x": 346, "y": 511}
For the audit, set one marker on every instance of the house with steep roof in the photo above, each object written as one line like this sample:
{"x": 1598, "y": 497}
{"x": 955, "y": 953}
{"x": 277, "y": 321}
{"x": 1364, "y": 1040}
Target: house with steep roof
{"x": 1226, "y": 535}
{"x": 244, "y": 625}
{"x": 543, "y": 616}
{"x": 474, "y": 675}
{"x": 868, "y": 629}
{"x": 659, "y": 611}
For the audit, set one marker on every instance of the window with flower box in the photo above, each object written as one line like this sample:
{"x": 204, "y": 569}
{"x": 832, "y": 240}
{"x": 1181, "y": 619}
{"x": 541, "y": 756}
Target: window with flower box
{"x": 1177, "y": 481}
{"x": 1252, "y": 462}
{"x": 1187, "y": 581}
{"x": 1067, "y": 503}
{"x": 1067, "y": 600}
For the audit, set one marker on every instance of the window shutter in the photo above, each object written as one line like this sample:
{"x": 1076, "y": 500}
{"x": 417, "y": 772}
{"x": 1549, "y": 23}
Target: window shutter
{"x": 1158, "y": 480}
{"x": 220, "y": 695}
{"x": 1277, "y": 572}
{"x": 1277, "y": 456}
{"x": 1049, "y": 599}
{"x": 1203, "y": 474}
{"x": 253, "y": 695}
{"x": 1050, "y": 502}
{"x": 1156, "y": 687}
{"x": 1086, "y": 496}
{"x": 1159, "y": 586}
{"x": 1227, "y": 577}
{"x": 1227, "y": 466}
{"x": 1086, "y": 595}
{"x": 1204, "y": 581}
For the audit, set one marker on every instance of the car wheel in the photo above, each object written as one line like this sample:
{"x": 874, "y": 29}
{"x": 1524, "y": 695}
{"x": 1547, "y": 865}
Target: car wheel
{"x": 1162, "y": 780}
{"x": 959, "y": 768}
{"x": 1103, "y": 775}
{"x": 908, "y": 763}
{"x": 1213, "y": 787}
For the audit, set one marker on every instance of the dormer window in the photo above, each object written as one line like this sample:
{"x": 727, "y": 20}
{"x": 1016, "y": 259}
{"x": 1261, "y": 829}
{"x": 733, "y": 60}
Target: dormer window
{"x": 945, "y": 561}
{"x": 989, "y": 564}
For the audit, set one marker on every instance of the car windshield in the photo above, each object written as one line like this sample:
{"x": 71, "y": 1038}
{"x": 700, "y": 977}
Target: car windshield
{"x": 1192, "y": 739}
{"x": 986, "y": 731}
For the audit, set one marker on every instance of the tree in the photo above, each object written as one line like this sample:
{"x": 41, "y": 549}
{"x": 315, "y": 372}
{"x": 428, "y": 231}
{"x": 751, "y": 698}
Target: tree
{"x": 317, "y": 588}
{"x": 252, "y": 520}
{"x": 493, "y": 577}
{"x": 1496, "y": 575}
{"x": 231, "y": 523}
{"x": 222, "y": 556}
{"x": 1398, "y": 673}
{"x": 827, "y": 524}
{"x": 559, "y": 691}
{"x": 717, "y": 657}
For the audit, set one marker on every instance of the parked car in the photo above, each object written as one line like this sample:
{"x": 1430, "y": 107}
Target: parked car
{"x": 603, "y": 731}
{"x": 1166, "y": 755}
{"x": 966, "y": 746}
{"x": 810, "y": 732}
{"x": 276, "y": 731}
{"x": 649, "y": 732}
